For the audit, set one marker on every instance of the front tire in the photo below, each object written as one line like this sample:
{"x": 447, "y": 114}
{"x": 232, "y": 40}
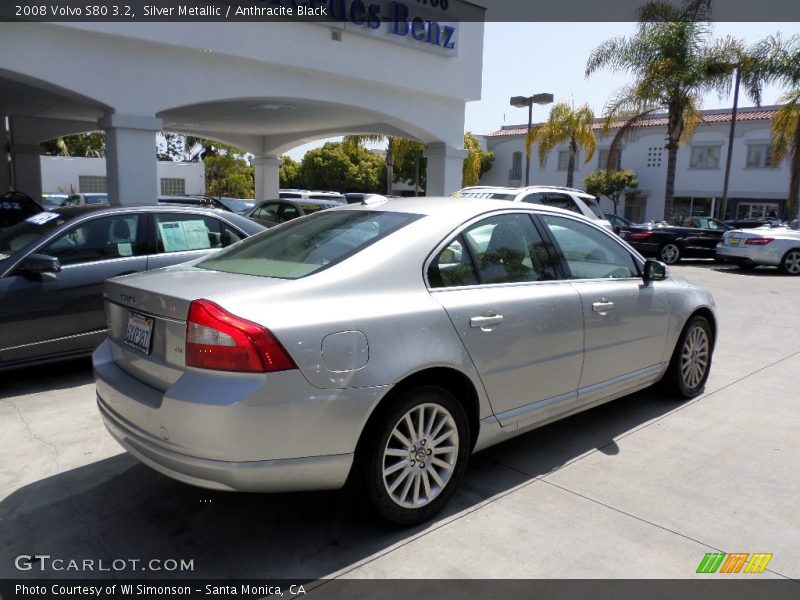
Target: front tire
{"x": 669, "y": 253}
{"x": 790, "y": 263}
{"x": 417, "y": 456}
{"x": 691, "y": 361}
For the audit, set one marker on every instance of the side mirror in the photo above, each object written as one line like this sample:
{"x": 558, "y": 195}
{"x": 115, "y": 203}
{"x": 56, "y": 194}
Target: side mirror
{"x": 654, "y": 270}
{"x": 40, "y": 263}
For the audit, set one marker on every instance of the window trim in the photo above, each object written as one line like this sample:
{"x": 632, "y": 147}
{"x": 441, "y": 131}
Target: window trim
{"x": 447, "y": 240}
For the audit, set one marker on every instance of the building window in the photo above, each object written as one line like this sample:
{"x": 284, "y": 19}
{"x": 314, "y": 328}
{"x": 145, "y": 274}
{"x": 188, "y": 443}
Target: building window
{"x": 92, "y": 183}
{"x": 173, "y": 186}
{"x": 705, "y": 157}
{"x": 759, "y": 156}
{"x": 654, "y": 156}
{"x": 516, "y": 166}
{"x": 563, "y": 160}
{"x": 602, "y": 159}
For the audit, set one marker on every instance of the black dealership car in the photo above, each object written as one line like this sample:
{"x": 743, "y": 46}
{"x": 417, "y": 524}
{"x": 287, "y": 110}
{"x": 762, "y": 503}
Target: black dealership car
{"x": 274, "y": 212}
{"x": 697, "y": 237}
{"x": 53, "y": 265}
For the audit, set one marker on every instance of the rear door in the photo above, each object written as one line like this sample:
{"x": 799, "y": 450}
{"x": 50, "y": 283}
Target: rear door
{"x": 63, "y": 312}
{"x": 626, "y": 320}
{"x": 522, "y": 327}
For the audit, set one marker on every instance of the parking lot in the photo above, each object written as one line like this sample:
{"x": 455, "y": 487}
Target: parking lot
{"x": 643, "y": 487}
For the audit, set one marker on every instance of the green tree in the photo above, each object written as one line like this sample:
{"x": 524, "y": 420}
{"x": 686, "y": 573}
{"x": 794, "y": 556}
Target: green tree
{"x": 91, "y": 144}
{"x": 782, "y": 60}
{"x": 610, "y": 184}
{"x": 229, "y": 175}
{"x": 397, "y": 151}
{"x": 289, "y": 173}
{"x": 565, "y": 124}
{"x": 477, "y": 162}
{"x": 673, "y": 64}
{"x": 341, "y": 167}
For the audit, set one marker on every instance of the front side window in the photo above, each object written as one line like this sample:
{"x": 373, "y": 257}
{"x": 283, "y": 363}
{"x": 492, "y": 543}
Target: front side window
{"x": 562, "y": 201}
{"x": 705, "y": 157}
{"x": 288, "y": 212}
{"x": 590, "y": 254}
{"x": 304, "y": 246}
{"x": 104, "y": 238}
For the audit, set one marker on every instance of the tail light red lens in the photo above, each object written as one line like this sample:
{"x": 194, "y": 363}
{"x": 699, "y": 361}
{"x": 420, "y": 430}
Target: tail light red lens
{"x": 757, "y": 241}
{"x": 637, "y": 236}
{"x": 219, "y": 340}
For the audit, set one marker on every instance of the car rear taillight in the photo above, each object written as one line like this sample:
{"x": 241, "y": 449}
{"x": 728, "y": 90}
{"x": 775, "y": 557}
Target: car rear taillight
{"x": 219, "y": 340}
{"x": 636, "y": 236}
{"x": 757, "y": 241}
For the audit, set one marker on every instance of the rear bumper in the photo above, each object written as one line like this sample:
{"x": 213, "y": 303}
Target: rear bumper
{"x": 748, "y": 255}
{"x": 249, "y": 432}
{"x": 281, "y": 475}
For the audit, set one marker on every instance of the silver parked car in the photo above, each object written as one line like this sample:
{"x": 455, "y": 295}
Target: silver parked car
{"x": 767, "y": 246}
{"x": 389, "y": 340}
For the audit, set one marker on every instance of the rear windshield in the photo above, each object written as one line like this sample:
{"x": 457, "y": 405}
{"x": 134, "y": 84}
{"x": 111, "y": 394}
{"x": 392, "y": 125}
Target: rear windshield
{"x": 302, "y": 246}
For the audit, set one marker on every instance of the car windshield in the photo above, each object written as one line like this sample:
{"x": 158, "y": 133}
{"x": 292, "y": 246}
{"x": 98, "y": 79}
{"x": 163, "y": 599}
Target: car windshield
{"x": 594, "y": 207}
{"x": 302, "y": 246}
{"x": 31, "y": 229}
{"x": 236, "y": 205}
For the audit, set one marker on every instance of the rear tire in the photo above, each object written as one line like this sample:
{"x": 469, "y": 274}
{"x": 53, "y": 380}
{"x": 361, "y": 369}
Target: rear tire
{"x": 691, "y": 361}
{"x": 669, "y": 253}
{"x": 417, "y": 455}
{"x": 790, "y": 263}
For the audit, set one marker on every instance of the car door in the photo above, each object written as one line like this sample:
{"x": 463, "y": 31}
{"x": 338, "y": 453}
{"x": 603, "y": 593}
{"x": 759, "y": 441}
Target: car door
{"x": 625, "y": 319}
{"x": 702, "y": 236}
{"x": 50, "y": 313}
{"x": 521, "y": 326}
{"x": 181, "y": 237}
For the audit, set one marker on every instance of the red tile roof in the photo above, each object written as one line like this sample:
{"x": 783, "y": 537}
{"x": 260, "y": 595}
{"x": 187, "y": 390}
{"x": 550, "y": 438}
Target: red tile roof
{"x": 709, "y": 116}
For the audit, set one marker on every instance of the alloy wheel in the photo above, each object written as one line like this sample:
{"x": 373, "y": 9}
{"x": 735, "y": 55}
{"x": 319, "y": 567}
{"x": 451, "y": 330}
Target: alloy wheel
{"x": 420, "y": 455}
{"x": 670, "y": 254}
{"x": 695, "y": 357}
{"x": 791, "y": 262}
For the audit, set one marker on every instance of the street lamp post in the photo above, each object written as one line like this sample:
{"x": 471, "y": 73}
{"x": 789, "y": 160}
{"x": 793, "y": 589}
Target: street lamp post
{"x": 529, "y": 101}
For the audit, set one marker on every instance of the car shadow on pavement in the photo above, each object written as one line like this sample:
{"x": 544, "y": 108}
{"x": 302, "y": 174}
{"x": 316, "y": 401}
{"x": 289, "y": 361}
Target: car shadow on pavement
{"x": 117, "y": 508}
{"x": 46, "y": 377}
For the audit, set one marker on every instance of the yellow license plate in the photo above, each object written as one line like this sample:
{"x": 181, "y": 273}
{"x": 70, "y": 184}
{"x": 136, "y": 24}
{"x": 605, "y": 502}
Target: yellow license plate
{"x": 734, "y": 241}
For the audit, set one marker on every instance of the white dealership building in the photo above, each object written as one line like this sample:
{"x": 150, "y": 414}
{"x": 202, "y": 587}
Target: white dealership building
{"x": 757, "y": 186}
{"x": 266, "y": 87}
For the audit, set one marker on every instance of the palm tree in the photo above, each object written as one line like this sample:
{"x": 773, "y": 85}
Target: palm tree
{"x": 565, "y": 124}
{"x": 782, "y": 63}
{"x": 673, "y": 64}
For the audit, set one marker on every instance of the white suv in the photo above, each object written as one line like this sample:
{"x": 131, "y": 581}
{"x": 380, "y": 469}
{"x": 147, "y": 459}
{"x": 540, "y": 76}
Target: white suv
{"x": 561, "y": 197}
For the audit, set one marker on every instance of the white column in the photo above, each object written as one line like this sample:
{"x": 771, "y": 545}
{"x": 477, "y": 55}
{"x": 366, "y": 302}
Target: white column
{"x": 267, "y": 177}
{"x": 131, "y": 158}
{"x": 27, "y": 166}
{"x": 5, "y": 167}
{"x": 445, "y": 165}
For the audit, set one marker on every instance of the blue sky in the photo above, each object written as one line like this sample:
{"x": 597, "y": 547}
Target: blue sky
{"x": 528, "y": 58}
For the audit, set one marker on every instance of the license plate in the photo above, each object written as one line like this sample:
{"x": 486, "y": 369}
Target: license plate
{"x": 139, "y": 332}
{"x": 734, "y": 241}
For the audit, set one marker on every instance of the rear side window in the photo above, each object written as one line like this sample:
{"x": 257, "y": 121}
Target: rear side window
{"x": 304, "y": 246}
{"x": 183, "y": 232}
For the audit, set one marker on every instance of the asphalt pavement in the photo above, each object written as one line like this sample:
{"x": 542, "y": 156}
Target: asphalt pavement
{"x": 642, "y": 487}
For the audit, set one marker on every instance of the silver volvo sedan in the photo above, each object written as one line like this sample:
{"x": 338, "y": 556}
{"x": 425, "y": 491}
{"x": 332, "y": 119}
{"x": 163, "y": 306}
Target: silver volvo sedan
{"x": 386, "y": 342}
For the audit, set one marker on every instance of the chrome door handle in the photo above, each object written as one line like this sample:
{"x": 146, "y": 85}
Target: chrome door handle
{"x": 602, "y": 307}
{"x": 482, "y": 322}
